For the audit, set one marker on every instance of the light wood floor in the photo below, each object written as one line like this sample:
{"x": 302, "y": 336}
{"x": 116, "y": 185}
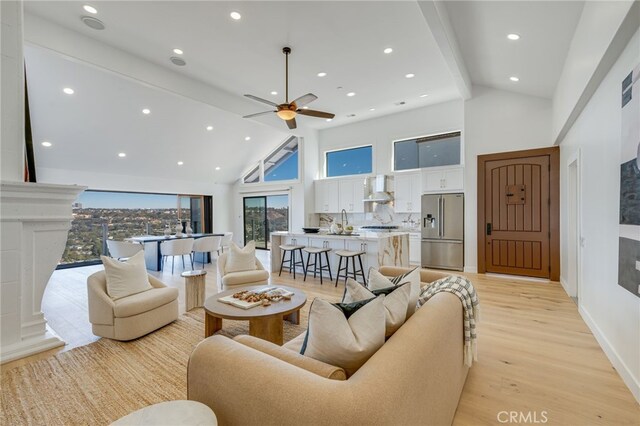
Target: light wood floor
{"x": 535, "y": 354}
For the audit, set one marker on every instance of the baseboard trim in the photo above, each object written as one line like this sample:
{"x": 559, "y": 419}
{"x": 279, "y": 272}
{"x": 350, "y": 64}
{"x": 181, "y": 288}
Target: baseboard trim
{"x": 564, "y": 285}
{"x": 518, "y": 277}
{"x": 471, "y": 269}
{"x": 622, "y": 369}
{"x": 31, "y": 346}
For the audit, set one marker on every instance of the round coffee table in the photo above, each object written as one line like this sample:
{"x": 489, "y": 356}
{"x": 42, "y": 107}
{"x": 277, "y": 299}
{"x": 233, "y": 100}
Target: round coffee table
{"x": 265, "y": 322}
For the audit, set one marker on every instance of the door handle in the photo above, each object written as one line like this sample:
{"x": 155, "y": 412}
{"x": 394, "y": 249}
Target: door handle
{"x": 489, "y": 229}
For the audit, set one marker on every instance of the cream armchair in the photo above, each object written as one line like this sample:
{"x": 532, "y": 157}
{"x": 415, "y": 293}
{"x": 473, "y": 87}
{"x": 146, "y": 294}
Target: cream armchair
{"x": 132, "y": 316}
{"x": 234, "y": 279}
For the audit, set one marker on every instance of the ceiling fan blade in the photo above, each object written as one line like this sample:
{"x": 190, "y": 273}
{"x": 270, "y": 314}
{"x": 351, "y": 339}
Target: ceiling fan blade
{"x": 264, "y": 101}
{"x": 291, "y": 123}
{"x": 305, "y": 99}
{"x": 258, "y": 113}
{"x": 314, "y": 113}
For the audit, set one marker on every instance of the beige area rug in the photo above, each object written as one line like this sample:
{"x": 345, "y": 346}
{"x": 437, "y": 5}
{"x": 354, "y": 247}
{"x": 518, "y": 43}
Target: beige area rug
{"x": 103, "y": 381}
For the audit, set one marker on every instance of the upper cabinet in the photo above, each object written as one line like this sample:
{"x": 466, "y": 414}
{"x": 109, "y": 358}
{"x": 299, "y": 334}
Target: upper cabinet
{"x": 333, "y": 195}
{"x": 407, "y": 192}
{"x": 443, "y": 179}
{"x": 326, "y": 196}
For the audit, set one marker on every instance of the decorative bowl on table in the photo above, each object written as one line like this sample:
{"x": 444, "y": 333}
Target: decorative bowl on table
{"x": 311, "y": 230}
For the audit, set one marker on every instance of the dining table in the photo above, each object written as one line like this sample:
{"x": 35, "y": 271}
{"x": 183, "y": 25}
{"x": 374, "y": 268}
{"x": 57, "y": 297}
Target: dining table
{"x": 152, "y": 253}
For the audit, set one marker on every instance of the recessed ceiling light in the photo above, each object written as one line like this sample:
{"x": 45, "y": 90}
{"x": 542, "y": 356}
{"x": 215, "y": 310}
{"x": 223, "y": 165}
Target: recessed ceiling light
{"x": 180, "y": 163}
{"x": 122, "y": 155}
{"x": 68, "y": 90}
{"x": 424, "y": 95}
{"x": 93, "y": 23}
{"x": 209, "y": 128}
{"x": 218, "y": 168}
{"x": 305, "y": 107}
{"x": 514, "y": 79}
{"x": 90, "y": 9}
{"x": 350, "y": 94}
{"x": 388, "y": 50}
{"x": 178, "y": 51}
{"x": 351, "y": 115}
{"x": 235, "y": 15}
{"x": 46, "y": 143}
{"x": 513, "y": 36}
{"x": 322, "y": 74}
{"x": 274, "y": 92}
{"x": 248, "y": 138}
{"x": 372, "y": 109}
{"x": 410, "y": 75}
{"x": 329, "y": 120}
{"x": 146, "y": 111}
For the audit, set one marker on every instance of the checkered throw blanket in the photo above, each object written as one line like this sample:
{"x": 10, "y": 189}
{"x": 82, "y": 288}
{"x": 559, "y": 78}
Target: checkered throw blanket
{"x": 462, "y": 288}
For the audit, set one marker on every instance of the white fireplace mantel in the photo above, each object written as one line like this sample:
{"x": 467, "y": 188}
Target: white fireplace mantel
{"x": 34, "y": 224}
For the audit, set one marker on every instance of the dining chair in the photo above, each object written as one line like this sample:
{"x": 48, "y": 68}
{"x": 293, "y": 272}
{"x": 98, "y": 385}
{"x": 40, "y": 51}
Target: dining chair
{"x": 177, "y": 247}
{"x": 226, "y": 239}
{"x": 123, "y": 249}
{"x": 207, "y": 245}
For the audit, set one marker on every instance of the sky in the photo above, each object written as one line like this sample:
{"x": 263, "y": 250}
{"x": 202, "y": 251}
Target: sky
{"x": 349, "y": 161}
{"x": 126, "y": 200}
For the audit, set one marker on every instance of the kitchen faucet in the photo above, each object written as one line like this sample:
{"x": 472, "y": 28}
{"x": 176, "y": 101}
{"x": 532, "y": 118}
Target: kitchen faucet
{"x": 343, "y": 218}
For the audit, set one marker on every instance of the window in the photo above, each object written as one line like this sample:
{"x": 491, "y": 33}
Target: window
{"x": 428, "y": 151}
{"x": 353, "y": 161}
{"x": 282, "y": 164}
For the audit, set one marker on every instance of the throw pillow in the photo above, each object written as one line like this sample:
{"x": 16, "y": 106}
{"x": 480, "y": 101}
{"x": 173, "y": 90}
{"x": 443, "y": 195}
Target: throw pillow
{"x": 345, "y": 334}
{"x": 378, "y": 281}
{"x": 395, "y": 303}
{"x": 241, "y": 259}
{"x": 126, "y": 278}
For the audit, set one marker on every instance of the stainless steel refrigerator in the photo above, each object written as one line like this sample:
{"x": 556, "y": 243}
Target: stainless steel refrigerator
{"x": 443, "y": 231}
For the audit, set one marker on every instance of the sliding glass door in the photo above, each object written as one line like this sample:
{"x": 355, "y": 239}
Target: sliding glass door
{"x": 263, "y": 215}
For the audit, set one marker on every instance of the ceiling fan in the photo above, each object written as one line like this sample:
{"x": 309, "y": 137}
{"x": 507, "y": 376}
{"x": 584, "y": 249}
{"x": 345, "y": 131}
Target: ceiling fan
{"x": 288, "y": 110}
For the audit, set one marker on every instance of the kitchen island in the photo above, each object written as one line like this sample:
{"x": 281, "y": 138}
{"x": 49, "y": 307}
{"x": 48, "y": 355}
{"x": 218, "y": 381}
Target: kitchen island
{"x": 381, "y": 248}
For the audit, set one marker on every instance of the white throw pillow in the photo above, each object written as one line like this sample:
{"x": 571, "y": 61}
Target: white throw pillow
{"x": 241, "y": 259}
{"x": 126, "y": 278}
{"x": 345, "y": 339}
{"x": 377, "y": 281}
{"x": 396, "y": 302}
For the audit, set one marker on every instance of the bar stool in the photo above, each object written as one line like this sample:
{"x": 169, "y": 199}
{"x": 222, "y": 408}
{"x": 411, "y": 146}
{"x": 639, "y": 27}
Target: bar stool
{"x": 347, "y": 254}
{"x": 317, "y": 258}
{"x": 291, "y": 249}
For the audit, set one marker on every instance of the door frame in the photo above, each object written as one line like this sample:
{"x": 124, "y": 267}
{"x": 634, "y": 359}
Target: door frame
{"x": 554, "y": 206}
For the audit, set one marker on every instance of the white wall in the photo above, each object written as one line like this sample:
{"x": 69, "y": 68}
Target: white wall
{"x": 598, "y": 25}
{"x": 382, "y": 131}
{"x": 111, "y": 182}
{"x": 612, "y": 313}
{"x": 497, "y": 121}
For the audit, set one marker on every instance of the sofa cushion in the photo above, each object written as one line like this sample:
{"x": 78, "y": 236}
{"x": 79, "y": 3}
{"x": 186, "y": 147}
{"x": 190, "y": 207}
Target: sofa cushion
{"x": 294, "y": 358}
{"x": 241, "y": 259}
{"x": 296, "y": 343}
{"x": 247, "y": 277}
{"x": 345, "y": 335}
{"x": 396, "y": 301}
{"x": 377, "y": 281}
{"x": 127, "y": 277}
{"x": 144, "y": 302}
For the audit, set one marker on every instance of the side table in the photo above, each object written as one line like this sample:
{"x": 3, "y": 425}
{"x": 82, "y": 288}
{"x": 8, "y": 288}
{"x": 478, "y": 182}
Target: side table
{"x": 194, "y": 283}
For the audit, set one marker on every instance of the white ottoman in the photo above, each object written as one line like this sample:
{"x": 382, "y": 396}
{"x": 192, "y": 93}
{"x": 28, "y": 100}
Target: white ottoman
{"x": 174, "y": 413}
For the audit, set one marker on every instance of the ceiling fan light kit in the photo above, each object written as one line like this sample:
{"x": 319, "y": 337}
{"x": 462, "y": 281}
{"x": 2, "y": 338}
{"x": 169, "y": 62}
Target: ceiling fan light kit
{"x": 288, "y": 111}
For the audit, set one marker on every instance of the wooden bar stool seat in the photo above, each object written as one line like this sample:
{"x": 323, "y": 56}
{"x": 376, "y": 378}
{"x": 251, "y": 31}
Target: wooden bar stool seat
{"x": 291, "y": 249}
{"x": 348, "y": 254}
{"x": 317, "y": 261}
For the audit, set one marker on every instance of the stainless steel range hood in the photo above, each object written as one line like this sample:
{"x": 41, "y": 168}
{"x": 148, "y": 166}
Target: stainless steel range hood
{"x": 378, "y": 190}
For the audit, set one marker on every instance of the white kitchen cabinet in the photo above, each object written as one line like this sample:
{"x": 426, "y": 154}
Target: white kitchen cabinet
{"x": 327, "y": 196}
{"x": 351, "y": 194}
{"x": 408, "y": 189}
{"x": 443, "y": 180}
{"x": 415, "y": 249}
{"x": 369, "y": 258}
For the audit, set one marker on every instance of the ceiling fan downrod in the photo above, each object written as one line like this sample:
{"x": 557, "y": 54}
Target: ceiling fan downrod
{"x": 286, "y": 51}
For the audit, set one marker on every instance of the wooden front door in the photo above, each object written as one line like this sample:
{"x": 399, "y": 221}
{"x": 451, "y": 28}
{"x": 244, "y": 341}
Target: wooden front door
{"x": 515, "y": 213}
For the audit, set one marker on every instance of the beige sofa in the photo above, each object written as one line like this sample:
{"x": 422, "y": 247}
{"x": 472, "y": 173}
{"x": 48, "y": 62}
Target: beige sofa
{"x": 415, "y": 378}
{"x": 234, "y": 279}
{"x": 132, "y": 316}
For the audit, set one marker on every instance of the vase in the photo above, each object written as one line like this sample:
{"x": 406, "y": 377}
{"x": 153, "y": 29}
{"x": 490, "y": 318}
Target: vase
{"x": 167, "y": 231}
{"x": 179, "y": 230}
{"x": 189, "y": 230}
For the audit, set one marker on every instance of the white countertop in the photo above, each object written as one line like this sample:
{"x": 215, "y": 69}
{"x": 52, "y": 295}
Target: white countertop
{"x": 362, "y": 236}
